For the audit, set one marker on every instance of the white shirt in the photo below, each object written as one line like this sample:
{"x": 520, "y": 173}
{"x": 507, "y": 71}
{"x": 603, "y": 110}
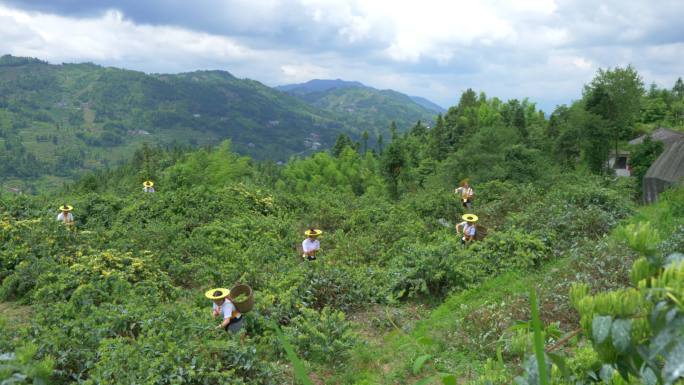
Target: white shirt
{"x": 468, "y": 229}
{"x": 466, "y": 192}
{"x": 309, "y": 245}
{"x": 70, "y": 217}
{"x": 227, "y": 308}
{"x": 148, "y": 189}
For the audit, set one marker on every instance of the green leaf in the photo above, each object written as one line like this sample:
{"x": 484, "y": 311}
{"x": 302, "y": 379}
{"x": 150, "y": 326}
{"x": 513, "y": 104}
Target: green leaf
{"x": 559, "y": 361}
{"x": 600, "y": 328}
{"x": 419, "y": 362}
{"x": 674, "y": 364}
{"x": 448, "y": 379}
{"x": 621, "y": 334}
{"x": 426, "y": 341}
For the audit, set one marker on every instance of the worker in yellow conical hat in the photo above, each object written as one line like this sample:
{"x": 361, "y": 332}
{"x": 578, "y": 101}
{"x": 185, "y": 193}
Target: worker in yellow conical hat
{"x": 65, "y": 215}
{"x": 311, "y": 245}
{"x": 468, "y": 228}
{"x": 224, "y": 307}
{"x": 148, "y": 186}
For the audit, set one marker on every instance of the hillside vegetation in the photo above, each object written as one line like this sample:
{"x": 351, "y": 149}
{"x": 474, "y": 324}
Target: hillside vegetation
{"x": 365, "y": 106}
{"x": 393, "y": 298}
{"x": 58, "y": 120}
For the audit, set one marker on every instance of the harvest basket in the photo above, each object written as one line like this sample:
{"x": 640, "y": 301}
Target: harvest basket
{"x": 246, "y": 305}
{"x": 480, "y": 232}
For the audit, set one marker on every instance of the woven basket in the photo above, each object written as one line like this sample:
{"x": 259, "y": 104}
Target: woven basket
{"x": 246, "y": 305}
{"x": 480, "y": 232}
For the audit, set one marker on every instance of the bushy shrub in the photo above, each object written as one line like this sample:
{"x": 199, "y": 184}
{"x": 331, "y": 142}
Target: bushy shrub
{"x": 515, "y": 248}
{"x": 323, "y": 336}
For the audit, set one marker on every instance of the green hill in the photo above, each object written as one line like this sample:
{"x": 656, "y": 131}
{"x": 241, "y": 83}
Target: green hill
{"x": 61, "y": 119}
{"x": 364, "y": 106}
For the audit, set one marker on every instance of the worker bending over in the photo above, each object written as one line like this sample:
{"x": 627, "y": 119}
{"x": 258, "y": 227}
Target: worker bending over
{"x": 65, "y": 215}
{"x": 311, "y": 245}
{"x": 224, "y": 307}
{"x": 468, "y": 228}
{"x": 467, "y": 194}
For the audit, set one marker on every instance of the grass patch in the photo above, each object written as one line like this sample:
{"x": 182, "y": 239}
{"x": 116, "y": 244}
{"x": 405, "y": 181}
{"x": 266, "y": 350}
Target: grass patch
{"x": 15, "y": 316}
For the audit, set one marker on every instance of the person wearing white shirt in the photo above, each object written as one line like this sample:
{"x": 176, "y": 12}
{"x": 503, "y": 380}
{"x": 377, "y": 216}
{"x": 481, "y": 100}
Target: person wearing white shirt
{"x": 148, "y": 186}
{"x": 467, "y": 194}
{"x": 468, "y": 227}
{"x": 65, "y": 215}
{"x": 311, "y": 245}
{"x": 224, "y": 307}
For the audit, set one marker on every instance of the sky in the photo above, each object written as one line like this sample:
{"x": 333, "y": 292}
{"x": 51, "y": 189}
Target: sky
{"x": 545, "y": 50}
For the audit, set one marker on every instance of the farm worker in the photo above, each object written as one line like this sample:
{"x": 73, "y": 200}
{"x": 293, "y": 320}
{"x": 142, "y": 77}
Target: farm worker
{"x": 467, "y": 194}
{"x": 148, "y": 186}
{"x": 223, "y": 306}
{"x": 311, "y": 245}
{"x": 468, "y": 227}
{"x": 65, "y": 215}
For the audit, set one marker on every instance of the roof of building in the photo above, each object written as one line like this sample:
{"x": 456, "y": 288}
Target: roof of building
{"x": 662, "y": 134}
{"x": 669, "y": 166}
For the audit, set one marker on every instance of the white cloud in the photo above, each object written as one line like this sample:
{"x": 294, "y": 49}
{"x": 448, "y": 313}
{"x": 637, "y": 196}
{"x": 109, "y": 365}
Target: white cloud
{"x": 297, "y": 73}
{"x": 544, "y": 49}
{"x": 111, "y": 38}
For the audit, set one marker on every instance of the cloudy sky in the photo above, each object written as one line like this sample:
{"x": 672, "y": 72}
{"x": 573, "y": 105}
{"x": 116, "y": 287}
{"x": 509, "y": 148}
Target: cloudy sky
{"x": 541, "y": 49}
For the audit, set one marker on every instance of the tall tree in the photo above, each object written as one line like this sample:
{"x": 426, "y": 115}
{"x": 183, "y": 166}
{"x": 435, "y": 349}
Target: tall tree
{"x": 615, "y": 95}
{"x": 678, "y": 89}
{"x": 341, "y": 143}
{"x": 393, "y": 130}
{"x": 596, "y": 137}
{"x": 418, "y": 130}
{"x": 439, "y": 140}
{"x": 393, "y": 162}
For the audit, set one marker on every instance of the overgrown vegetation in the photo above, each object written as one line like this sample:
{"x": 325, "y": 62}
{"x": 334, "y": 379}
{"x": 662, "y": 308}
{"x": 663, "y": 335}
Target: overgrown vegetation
{"x": 118, "y": 297}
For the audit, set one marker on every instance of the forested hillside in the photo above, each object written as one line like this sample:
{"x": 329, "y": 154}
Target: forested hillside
{"x": 365, "y": 106}
{"x": 59, "y": 120}
{"x": 393, "y": 297}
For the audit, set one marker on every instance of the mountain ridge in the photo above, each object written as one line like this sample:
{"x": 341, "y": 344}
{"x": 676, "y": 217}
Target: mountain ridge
{"x": 361, "y": 103}
{"x": 322, "y": 85}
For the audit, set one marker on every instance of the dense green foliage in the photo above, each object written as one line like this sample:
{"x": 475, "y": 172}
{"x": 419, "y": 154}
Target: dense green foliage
{"x": 61, "y": 119}
{"x": 118, "y": 298}
{"x": 363, "y": 106}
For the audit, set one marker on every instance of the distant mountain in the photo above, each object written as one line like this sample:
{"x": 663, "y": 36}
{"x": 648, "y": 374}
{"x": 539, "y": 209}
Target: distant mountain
{"x": 60, "y": 119}
{"x": 362, "y": 106}
{"x": 428, "y": 104}
{"x": 317, "y": 85}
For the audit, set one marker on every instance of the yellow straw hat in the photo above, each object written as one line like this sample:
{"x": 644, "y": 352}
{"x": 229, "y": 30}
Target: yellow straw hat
{"x": 464, "y": 182}
{"x": 314, "y": 232}
{"x": 148, "y": 183}
{"x": 66, "y": 208}
{"x": 217, "y": 293}
{"x": 469, "y": 217}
